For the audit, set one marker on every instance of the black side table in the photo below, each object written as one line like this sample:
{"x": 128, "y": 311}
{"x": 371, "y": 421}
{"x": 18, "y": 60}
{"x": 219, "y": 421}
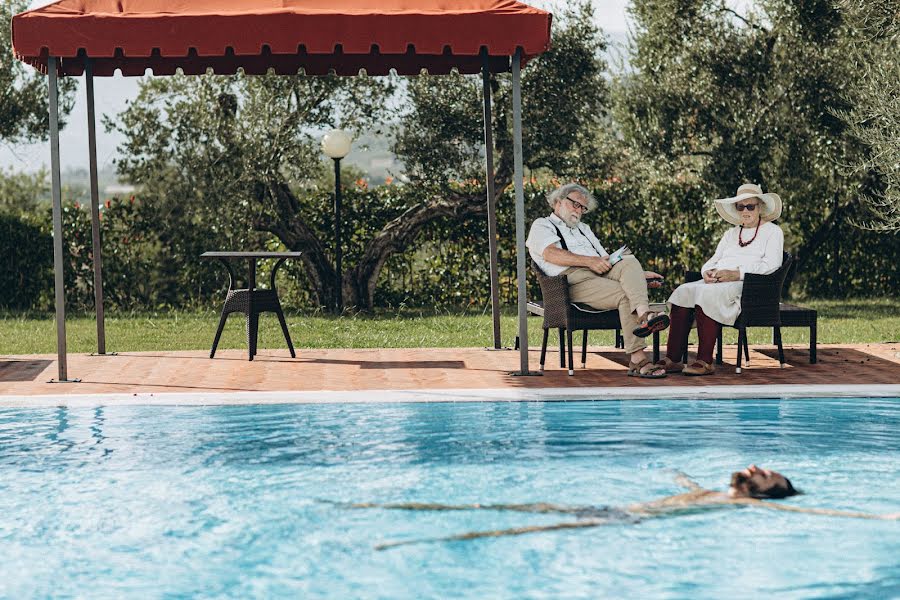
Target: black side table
{"x": 251, "y": 301}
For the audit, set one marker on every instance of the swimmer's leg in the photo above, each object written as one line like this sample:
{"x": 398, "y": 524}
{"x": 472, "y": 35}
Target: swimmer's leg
{"x": 474, "y": 535}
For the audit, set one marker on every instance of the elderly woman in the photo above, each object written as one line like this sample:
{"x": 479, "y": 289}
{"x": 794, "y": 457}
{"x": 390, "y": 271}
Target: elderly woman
{"x": 754, "y": 245}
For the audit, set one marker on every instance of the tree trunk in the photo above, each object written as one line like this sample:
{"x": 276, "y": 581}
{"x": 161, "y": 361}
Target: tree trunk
{"x": 359, "y": 281}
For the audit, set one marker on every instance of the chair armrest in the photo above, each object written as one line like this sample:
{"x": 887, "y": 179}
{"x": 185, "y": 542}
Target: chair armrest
{"x": 690, "y": 276}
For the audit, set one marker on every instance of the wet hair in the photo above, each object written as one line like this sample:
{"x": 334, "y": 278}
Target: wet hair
{"x": 779, "y": 491}
{"x": 775, "y": 492}
{"x": 562, "y": 191}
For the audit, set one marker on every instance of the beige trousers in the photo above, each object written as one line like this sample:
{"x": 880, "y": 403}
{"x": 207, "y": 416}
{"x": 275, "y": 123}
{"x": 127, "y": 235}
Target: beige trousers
{"x": 623, "y": 287}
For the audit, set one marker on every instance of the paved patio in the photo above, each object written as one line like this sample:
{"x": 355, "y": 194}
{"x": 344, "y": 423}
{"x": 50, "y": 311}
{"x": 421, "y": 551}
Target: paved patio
{"x": 367, "y": 375}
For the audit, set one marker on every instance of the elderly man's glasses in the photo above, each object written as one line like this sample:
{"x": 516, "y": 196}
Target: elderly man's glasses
{"x": 577, "y": 205}
{"x": 743, "y": 207}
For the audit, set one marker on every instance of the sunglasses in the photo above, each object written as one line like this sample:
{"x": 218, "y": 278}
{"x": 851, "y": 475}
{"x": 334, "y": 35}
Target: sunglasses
{"x": 577, "y": 205}
{"x": 743, "y": 207}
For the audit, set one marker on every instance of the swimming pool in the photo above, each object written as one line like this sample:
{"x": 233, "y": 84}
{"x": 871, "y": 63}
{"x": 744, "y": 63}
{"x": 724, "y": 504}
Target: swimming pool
{"x": 225, "y": 501}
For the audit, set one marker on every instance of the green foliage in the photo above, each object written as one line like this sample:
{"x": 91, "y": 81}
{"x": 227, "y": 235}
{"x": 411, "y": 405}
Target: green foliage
{"x": 24, "y": 115}
{"x": 21, "y": 192}
{"x": 564, "y": 92}
{"x": 874, "y": 115}
{"x": 722, "y": 98}
{"x": 26, "y": 254}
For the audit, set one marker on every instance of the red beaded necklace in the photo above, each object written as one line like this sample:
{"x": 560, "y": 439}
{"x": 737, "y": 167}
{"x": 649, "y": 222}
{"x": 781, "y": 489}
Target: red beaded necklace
{"x": 741, "y": 242}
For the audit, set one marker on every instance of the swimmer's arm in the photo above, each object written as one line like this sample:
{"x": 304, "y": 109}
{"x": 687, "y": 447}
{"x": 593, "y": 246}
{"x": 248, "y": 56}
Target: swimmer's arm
{"x": 474, "y": 535}
{"x": 684, "y": 481}
{"x": 828, "y": 512}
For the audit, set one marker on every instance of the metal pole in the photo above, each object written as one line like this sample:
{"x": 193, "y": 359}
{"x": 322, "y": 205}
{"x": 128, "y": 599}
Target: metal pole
{"x": 339, "y": 292}
{"x": 57, "y": 220}
{"x": 518, "y": 176}
{"x": 95, "y": 208}
{"x": 491, "y": 205}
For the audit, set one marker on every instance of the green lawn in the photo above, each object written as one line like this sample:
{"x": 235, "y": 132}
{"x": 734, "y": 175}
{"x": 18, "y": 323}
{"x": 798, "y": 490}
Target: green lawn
{"x": 840, "y": 321}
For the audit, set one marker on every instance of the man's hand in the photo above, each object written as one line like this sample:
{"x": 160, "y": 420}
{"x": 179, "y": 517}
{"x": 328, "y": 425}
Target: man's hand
{"x": 599, "y": 265}
{"x": 655, "y": 279}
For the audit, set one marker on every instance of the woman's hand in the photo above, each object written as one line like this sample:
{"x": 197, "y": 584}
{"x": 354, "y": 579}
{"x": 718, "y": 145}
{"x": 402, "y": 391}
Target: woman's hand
{"x": 710, "y": 276}
{"x": 725, "y": 275}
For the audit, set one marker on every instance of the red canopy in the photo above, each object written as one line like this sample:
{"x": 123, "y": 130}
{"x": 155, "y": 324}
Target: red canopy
{"x": 286, "y": 35}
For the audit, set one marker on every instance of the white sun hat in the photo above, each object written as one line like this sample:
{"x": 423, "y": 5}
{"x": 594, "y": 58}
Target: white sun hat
{"x": 770, "y": 204}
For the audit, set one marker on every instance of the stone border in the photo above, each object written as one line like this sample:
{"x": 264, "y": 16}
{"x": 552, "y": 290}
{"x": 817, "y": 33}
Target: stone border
{"x": 724, "y": 392}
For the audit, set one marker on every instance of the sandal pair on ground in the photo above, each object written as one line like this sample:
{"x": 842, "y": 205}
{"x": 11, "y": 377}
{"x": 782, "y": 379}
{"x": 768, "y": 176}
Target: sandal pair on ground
{"x": 667, "y": 365}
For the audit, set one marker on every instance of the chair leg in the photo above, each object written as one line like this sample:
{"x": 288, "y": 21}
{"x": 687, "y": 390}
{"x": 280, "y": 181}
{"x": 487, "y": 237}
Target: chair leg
{"x": 284, "y": 330}
{"x": 584, "y": 349}
{"x": 655, "y": 347}
{"x": 215, "y": 345}
{"x": 544, "y": 348}
{"x": 812, "y": 344}
{"x": 571, "y": 361}
{"x": 719, "y": 360}
{"x": 746, "y": 347}
{"x": 741, "y": 333}
{"x": 780, "y": 347}
{"x": 252, "y": 333}
{"x": 620, "y": 341}
{"x": 562, "y": 349}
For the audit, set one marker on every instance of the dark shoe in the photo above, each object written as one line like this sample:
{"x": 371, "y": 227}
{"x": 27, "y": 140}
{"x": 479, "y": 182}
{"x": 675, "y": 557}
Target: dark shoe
{"x": 651, "y": 323}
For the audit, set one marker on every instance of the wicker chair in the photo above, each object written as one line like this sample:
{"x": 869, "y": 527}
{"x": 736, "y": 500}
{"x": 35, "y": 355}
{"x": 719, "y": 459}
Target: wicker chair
{"x": 760, "y": 307}
{"x": 561, "y": 313}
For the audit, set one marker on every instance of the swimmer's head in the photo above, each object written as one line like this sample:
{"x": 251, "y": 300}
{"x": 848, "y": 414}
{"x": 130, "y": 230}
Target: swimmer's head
{"x": 754, "y": 482}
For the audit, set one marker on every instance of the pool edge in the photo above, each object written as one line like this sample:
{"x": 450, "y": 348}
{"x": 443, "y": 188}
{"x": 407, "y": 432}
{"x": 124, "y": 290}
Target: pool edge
{"x": 727, "y": 392}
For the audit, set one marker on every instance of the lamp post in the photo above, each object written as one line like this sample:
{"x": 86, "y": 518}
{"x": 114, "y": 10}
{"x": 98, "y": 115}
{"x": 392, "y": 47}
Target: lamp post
{"x": 336, "y": 145}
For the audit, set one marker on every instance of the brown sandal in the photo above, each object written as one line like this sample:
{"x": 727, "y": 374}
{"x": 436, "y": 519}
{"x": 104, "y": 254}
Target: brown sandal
{"x": 669, "y": 365}
{"x": 638, "y": 370}
{"x": 699, "y": 367}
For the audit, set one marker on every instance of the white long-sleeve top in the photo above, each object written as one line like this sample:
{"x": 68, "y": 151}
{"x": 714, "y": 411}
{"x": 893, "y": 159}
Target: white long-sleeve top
{"x": 762, "y": 257}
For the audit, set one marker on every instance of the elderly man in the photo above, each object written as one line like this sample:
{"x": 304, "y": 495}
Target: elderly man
{"x": 562, "y": 244}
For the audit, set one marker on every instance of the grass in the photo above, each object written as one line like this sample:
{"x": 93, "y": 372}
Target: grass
{"x": 840, "y": 321}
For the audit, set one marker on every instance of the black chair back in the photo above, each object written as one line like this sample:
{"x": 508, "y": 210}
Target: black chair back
{"x": 761, "y": 297}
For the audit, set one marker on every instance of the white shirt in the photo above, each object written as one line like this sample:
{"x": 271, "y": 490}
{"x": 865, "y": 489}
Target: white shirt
{"x": 580, "y": 240}
{"x": 762, "y": 257}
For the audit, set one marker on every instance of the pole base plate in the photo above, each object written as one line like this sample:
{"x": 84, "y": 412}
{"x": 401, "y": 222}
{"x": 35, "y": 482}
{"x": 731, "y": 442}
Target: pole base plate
{"x": 64, "y": 381}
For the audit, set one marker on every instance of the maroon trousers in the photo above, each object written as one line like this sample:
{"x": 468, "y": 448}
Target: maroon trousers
{"x": 707, "y": 330}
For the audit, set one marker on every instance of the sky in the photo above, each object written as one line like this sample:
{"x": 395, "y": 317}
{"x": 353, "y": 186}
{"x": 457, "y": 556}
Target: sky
{"x": 111, "y": 94}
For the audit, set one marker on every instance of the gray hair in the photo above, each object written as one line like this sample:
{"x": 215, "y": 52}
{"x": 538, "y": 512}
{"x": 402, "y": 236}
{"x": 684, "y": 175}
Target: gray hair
{"x": 562, "y": 191}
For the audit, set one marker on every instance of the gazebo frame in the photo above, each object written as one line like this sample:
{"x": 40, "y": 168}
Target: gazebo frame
{"x": 74, "y": 64}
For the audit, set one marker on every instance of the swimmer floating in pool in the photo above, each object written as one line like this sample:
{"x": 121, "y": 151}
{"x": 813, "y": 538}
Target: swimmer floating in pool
{"x": 750, "y": 487}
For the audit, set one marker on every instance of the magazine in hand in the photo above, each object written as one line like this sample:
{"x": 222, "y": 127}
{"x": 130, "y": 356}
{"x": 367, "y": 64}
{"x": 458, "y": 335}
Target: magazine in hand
{"x": 618, "y": 254}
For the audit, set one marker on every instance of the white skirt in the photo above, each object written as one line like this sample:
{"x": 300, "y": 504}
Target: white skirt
{"x": 720, "y": 301}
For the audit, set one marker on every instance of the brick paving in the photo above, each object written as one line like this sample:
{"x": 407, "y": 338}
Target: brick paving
{"x": 419, "y": 368}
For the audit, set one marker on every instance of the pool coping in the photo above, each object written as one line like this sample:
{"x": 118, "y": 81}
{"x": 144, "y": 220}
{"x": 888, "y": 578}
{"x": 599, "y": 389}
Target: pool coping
{"x": 380, "y": 396}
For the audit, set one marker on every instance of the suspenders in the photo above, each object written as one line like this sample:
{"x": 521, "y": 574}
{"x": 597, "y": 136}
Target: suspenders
{"x": 562, "y": 240}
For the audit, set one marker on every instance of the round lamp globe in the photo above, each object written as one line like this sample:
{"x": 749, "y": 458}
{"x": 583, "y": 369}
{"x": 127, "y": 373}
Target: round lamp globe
{"x": 336, "y": 143}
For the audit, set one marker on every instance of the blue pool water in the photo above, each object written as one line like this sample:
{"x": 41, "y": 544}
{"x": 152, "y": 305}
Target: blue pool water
{"x": 226, "y": 501}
